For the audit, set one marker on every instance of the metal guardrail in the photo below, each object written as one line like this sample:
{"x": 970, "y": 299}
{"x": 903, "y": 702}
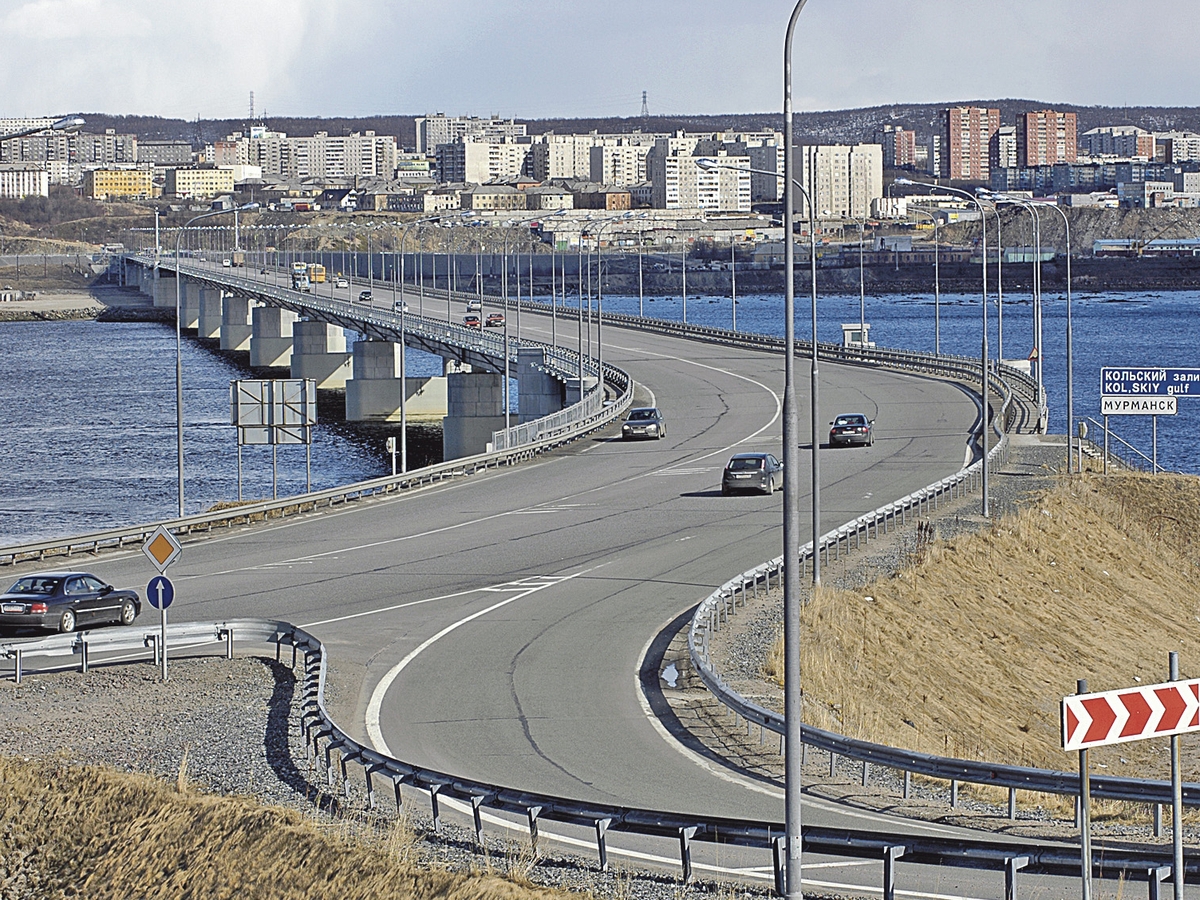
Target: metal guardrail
{"x": 1008, "y": 857}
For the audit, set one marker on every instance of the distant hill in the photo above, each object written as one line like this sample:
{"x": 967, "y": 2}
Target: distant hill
{"x": 831, "y": 126}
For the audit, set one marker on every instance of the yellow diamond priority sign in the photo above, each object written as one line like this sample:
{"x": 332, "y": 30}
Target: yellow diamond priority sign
{"x": 162, "y": 548}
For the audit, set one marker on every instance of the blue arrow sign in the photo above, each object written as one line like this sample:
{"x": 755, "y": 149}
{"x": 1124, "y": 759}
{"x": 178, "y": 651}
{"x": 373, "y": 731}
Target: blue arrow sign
{"x": 1134, "y": 381}
{"x": 160, "y": 592}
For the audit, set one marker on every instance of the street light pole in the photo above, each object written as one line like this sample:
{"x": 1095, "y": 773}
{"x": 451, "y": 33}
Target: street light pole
{"x": 179, "y": 345}
{"x": 937, "y": 286}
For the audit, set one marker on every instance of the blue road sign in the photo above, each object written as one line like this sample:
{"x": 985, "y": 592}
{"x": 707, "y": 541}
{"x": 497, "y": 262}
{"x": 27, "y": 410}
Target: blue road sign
{"x": 1149, "y": 382}
{"x": 160, "y": 592}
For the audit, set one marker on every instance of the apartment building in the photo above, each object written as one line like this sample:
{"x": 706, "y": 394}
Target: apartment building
{"x": 198, "y": 183}
{"x": 164, "y": 153}
{"x": 113, "y": 184}
{"x": 365, "y": 155}
{"x": 680, "y": 180}
{"x": 442, "y": 129}
{"x": 899, "y": 147}
{"x": 967, "y": 147}
{"x": 475, "y": 160}
{"x": 844, "y": 180}
{"x": 1178, "y": 146}
{"x": 1046, "y": 138}
{"x": 21, "y": 180}
{"x": 1006, "y": 154}
{"x": 65, "y": 155}
{"x": 1124, "y": 141}
{"x": 618, "y": 163}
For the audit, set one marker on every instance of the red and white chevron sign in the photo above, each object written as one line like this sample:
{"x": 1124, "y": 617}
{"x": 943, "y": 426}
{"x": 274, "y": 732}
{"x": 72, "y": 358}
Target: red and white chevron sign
{"x": 1131, "y": 714}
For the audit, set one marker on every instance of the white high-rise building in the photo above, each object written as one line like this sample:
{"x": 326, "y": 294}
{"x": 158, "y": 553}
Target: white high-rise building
{"x": 476, "y": 160}
{"x": 442, "y": 129}
{"x": 846, "y": 179}
{"x": 680, "y": 179}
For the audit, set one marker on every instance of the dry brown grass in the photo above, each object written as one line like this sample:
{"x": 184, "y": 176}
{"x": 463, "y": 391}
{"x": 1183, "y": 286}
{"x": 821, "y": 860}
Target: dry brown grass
{"x": 92, "y": 832}
{"x": 968, "y": 651}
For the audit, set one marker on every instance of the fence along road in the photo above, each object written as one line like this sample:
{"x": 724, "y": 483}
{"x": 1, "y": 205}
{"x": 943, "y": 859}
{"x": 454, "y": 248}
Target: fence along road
{"x": 542, "y": 692}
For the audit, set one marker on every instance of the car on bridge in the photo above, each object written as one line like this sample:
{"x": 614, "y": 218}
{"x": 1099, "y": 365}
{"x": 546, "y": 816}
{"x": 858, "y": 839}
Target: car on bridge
{"x": 472, "y": 321}
{"x": 342, "y": 282}
{"x": 364, "y": 297}
{"x": 643, "y": 422}
{"x": 64, "y": 601}
{"x": 495, "y": 320}
{"x": 474, "y": 306}
{"x": 851, "y": 428}
{"x": 752, "y": 472}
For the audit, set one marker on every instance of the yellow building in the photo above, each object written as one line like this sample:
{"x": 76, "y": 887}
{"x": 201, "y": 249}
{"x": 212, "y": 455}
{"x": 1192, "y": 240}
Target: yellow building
{"x": 194, "y": 184}
{"x": 111, "y": 184}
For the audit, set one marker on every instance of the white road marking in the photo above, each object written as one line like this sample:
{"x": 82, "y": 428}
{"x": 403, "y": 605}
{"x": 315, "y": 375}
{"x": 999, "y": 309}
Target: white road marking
{"x": 375, "y": 705}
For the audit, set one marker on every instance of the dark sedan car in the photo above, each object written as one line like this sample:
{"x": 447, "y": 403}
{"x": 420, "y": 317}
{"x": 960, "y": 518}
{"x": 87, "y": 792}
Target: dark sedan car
{"x": 752, "y": 472}
{"x": 643, "y": 422}
{"x": 64, "y": 601}
{"x": 852, "y": 428}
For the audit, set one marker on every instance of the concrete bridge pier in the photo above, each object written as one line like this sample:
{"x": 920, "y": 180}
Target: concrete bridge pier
{"x": 210, "y": 319}
{"x": 373, "y": 393}
{"x": 319, "y": 352}
{"x": 189, "y": 304}
{"x": 145, "y": 280}
{"x": 271, "y": 337}
{"x": 541, "y": 393}
{"x": 571, "y": 393}
{"x": 164, "y": 289}
{"x": 236, "y": 325}
{"x": 474, "y": 409}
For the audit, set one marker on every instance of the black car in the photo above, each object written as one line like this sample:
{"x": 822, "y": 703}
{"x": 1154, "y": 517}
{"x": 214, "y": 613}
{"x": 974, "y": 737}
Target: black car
{"x": 852, "y": 428}
{"x": 64, "y": 601}
{"x": 643, "y": 422}
{"x": 752, "y": 472}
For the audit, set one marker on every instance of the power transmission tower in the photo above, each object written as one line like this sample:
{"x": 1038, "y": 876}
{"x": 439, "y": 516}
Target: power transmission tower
{"x": 645, "y": 107}
{"x": 252, "y": 107}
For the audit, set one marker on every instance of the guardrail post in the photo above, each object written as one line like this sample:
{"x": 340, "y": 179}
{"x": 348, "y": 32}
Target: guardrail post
{"x": 83, "y": 656}
{"x": 907, "y": 783}
{"x": 953, "y": 793}
{"x": 866, "y": 771}
{"x": 434, "y": 790}
{"x": 685, "y": 852}
{"x": 778, "y": 855}
{"x": 1158, "y": 820}
{"x": 229, "y": 643}
{"x": 533, "y": 812}
{"x": 398, "y": 783}
{"x": 601, "y": 844}
{"x": 1012, "y": 803}
{"x": 17, "y": 670}
{"x": 1013, "y": 865}
{"x": 890, "y": 855}
{"x": 476, "y": 802}
{"x": 1155, "y": 878}
{"x": 832, "y": 763}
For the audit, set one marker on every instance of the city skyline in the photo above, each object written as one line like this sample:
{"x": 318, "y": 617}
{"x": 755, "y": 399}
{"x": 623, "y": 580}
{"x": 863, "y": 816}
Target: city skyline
{"x": 362, "y": 57}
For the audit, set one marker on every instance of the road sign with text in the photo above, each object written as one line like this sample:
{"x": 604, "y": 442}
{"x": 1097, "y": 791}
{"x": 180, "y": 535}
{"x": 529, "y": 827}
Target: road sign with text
{"x": 1137, "y": 381}
{"x": 1139, "y": 406}
{"x": 1130, "y": 714}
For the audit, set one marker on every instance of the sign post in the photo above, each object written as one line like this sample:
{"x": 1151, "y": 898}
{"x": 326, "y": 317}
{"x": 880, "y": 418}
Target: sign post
{"x": 391, "y": 448}
{"x": 161, "y": 549}
{"x": 1085, "y": 811}
{"x": 1133, "y": 714}
{"x": 1140, "y": 391}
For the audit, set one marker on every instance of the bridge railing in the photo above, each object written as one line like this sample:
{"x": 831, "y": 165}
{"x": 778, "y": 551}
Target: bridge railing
{"x": 334, "y": 749}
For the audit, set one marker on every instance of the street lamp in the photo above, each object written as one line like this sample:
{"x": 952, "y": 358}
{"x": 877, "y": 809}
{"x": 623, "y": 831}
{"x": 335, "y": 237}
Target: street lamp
{"x": 984, "y": 410}
{"x": 68, "y": 125}
{"x": 179, "y": 341}
{"x": 937, "y": 284}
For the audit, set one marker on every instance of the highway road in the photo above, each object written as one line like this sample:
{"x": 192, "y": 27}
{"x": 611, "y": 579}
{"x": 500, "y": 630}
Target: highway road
{"x": 494, "y": 627}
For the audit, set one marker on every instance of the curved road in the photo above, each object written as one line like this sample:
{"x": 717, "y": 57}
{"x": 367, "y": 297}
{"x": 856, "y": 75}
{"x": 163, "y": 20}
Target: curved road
{"x": 493, "y": 627}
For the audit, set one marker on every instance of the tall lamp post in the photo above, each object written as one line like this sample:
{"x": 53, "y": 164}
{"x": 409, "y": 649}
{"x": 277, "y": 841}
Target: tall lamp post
{"x": 179, "y": 342}
{"x": 937, "y": 285}
{"x": 983, "y": 362}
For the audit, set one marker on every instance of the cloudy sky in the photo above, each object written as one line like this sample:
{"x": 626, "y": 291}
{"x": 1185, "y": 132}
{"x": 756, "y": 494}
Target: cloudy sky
{"x": 554, "y": 58}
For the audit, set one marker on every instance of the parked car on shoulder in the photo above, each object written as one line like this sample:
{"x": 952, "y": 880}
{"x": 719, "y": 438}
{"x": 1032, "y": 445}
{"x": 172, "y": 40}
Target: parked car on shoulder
{"x": 65, "y": 601}
{"x": 752, "y": 472}
{"x": 851, "y": 428}
{"x": 643, "y": 422}
{"x": 472, "y": 321}
{"x": 495, "y": 320}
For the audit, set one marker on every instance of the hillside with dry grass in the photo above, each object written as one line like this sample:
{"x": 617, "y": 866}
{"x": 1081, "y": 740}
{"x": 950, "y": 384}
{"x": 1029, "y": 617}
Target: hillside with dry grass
{"x": 144, "y": 838}
{"x": 968, "y": 651}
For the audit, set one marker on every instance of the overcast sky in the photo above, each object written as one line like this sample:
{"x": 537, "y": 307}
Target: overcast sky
{"x": 555, "y": 58}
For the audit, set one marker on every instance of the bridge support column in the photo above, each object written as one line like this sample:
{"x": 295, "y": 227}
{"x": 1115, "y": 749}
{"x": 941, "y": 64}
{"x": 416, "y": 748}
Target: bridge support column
{"x": 210, "y": 320}
{"x": 164, "y": 289}
{"x": 271, "y": 337}
{"x": 373, "y": 392}
{"x": 189, "y": 306}
{"x": 571, "y": 389}
{"x": 319, "y": 352}
{"x": 146, "y": 280}
{"x": 475, "y": 408}
{"x": 236, "y": 326}
{"x": 540, "y": 392}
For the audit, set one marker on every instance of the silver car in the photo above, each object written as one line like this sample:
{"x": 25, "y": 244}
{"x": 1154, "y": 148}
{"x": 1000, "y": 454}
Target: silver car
{"x": 644, "y": 422}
